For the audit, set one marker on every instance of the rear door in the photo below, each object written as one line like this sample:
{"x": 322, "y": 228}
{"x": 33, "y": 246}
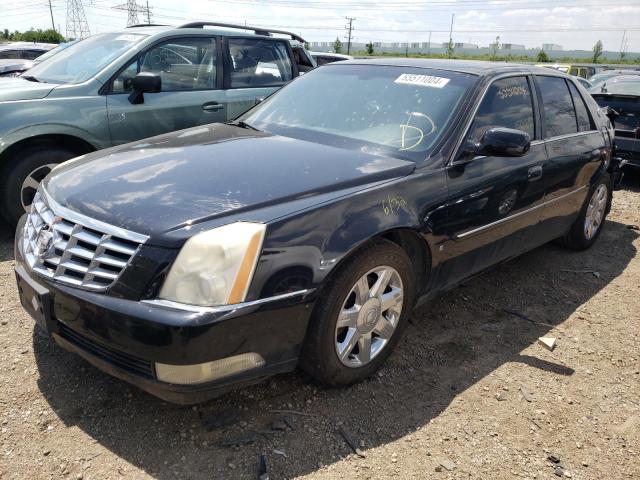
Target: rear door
{"x": 254, "y": 68}
{"x": 575, "y": 148}
{"x": 191, "y": 94}
{"x": 494, "y": 202}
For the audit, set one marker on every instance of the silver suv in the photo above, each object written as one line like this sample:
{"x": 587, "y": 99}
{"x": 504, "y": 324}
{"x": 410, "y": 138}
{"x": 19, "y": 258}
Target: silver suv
{"x": 118, "y": 87}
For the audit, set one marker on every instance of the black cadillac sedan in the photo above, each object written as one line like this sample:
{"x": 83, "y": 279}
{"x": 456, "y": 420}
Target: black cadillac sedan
{"x": 305, "y": 232}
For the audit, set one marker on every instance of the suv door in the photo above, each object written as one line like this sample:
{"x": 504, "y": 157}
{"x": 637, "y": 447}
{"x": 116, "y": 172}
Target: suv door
{"x": 575, "y": 148}
{"x": 191, "y": 94}
{"x": 254, "y": 69}
{"x": 494, "y": 201}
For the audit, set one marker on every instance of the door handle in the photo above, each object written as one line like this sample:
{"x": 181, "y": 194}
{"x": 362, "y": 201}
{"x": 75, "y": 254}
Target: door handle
{"x": 212, "y": 107}
{"x": 534, "y": 173}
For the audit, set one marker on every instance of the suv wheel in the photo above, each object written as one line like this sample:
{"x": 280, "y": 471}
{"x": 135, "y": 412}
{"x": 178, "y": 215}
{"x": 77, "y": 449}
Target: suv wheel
{"x": 360, "y": 316}
{"x": 23, "y": 175}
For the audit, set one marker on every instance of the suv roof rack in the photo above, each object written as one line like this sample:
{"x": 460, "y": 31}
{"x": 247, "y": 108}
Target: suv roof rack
{"x": 257, "y": 30}
{"x": 147, "y": 25}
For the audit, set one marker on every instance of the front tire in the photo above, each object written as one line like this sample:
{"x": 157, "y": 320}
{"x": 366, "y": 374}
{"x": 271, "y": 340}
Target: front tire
{"x": 360, "y": 316}
{"x": 22, "y": 175}
{"x": 591, "y": 220}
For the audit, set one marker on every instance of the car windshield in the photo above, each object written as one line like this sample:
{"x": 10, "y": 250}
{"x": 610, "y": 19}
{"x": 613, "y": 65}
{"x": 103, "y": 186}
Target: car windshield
{"x": 383, "y": 110}
{"x": 618, "y": 86}
{"x": 82, "y": 60}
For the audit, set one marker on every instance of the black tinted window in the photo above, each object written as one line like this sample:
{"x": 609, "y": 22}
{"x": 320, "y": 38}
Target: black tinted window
{"x": 559, "y": 114}
{"x": 10, "y": 54}
{"x": 584, "y": 121}
{"x": 506, "y": 104}
{"x": 259, "y": 63}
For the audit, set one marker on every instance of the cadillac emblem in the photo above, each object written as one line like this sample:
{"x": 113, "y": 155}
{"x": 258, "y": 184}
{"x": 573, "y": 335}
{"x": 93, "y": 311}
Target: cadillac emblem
{"x": 44, "y": 241}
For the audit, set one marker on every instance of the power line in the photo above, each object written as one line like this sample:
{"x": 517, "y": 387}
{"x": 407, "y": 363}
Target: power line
{"x": 133, "y": 8}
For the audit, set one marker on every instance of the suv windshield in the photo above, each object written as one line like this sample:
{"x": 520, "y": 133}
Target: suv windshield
{"x": 384, "y": 110}
{"x": 82, "y": 60}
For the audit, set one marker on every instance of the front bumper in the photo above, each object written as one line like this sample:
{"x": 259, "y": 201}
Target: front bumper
{"x": 125, "y": 338}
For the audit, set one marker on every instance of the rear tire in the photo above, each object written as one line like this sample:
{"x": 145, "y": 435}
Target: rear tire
{"x": 591, "y": 220}
{"x": 372, "y": 295}
{"x": 23, "y": 173}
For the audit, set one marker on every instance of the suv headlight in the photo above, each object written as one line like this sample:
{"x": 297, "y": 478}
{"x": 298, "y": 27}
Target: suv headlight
{"x": 215, "y": 267}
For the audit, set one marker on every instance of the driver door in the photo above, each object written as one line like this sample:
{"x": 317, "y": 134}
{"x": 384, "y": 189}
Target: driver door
{"x": 494, "y": 203}
{"x": 191, "y": 93}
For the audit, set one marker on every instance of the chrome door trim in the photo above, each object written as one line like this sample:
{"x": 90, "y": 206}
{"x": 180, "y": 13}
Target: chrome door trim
{"x": 517, "y": 215}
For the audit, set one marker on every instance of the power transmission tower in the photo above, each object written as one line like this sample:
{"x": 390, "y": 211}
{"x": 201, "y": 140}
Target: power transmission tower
{"x": 133, "y": 9}
{"x": 349, "y": 30}
{"x": 77, "y": 26}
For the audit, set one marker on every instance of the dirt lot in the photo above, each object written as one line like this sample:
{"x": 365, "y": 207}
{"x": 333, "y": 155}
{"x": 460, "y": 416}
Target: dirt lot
{"x": 468, "y": 393}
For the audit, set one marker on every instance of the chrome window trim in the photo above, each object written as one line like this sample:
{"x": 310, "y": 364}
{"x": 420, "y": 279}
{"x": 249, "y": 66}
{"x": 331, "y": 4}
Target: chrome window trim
{"x": 91, "y": 223}
{"x": 527, "y": 75}
{"x": 519, "y": 214}
{"x": 571, "y": 135}
{"x": 169, "y": 304}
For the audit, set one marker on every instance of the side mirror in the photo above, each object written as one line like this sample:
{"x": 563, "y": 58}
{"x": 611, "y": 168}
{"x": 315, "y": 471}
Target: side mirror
{"x": 611, "y": 114}
{"x": 144, "y": 82}
{"x": 503, "y": 142}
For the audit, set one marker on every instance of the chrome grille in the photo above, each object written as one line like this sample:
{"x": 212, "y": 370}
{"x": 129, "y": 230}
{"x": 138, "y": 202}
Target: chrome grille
{"x": 72, "y": 253}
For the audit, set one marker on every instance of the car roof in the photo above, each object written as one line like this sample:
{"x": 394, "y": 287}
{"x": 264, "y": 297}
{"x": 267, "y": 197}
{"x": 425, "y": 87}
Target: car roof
{"x": 475, "y": 67}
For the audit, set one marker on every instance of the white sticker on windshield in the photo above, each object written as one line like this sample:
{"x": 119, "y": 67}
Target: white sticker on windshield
{"x": 422, "y": 80}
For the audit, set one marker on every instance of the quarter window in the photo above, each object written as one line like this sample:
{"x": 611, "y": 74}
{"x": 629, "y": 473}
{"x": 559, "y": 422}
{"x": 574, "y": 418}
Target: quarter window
{"x": 259, "y": 63}
{"x": 582, "y": 114}
{"x": 506, "y": 104}
{"x": 559, "y": 114}
{"x": 183, "y": 65}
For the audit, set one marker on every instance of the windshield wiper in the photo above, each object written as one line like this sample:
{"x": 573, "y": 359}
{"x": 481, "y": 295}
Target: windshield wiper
{"x": 241, "y": 124}
{"x": 30, "y": 78}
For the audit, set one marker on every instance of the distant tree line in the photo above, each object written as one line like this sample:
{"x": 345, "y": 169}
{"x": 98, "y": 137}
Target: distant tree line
{"x": 39, "y": 35}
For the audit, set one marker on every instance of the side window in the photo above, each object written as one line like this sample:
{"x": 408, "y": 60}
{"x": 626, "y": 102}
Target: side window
{"x": 9, "y": 54}
{"x": 560, "y": 117}
{"x": 507, "y": 104}
{"x": 259, "y": 63}
{"x": 31, "y": 54}
{"x": 182, "y": 64}
{"x": 582, "y": 114}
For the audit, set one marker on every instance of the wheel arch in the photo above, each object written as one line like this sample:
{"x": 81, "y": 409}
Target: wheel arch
{"x": 70, "y": 142}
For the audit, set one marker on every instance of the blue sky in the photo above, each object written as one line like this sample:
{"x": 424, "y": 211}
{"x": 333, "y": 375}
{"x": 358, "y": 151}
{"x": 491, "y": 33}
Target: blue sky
{"x": 575, "y": 24}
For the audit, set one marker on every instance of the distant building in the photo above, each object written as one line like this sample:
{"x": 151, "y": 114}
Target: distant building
{"x": 460, "y": 45}
{"x": 512, "y": 46}
{"x": 551, "y": 47}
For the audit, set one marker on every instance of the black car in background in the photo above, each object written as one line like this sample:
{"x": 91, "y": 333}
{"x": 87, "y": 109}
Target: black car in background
{"x": 305, "y": 232}
{"x": 622, "y": 95}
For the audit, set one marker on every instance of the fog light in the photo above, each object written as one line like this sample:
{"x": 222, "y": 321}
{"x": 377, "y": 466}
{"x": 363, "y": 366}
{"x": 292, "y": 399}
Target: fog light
{"x": 206, "y": 372}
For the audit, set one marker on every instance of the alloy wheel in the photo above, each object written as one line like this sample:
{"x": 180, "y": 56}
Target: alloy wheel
{"x": 595, "y": 211}
{"x": 369, "y": 316}
{"x": 31, "y": 183}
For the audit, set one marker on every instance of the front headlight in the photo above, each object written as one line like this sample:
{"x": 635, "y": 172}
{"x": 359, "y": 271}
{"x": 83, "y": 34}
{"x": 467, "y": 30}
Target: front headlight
{"x": 215, "y": 267}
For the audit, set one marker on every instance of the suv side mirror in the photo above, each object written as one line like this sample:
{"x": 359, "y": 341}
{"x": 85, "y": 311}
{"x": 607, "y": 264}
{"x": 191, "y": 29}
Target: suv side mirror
{"x": 503, "y": 142}
{"x": 144, "y": 82}
{"x": 611, "y": 114}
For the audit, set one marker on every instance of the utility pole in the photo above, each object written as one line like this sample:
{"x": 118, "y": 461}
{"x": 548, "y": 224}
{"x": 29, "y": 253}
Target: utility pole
{"x": 349, "y": 29}
{"x": 77, "y": 26}
{"x": 622, "y": 45}
{"x": 449, "y": 50}
{"x": 429, "y": 46}
{"x": 148, "y": 14}
{"x": 53, "y": 25}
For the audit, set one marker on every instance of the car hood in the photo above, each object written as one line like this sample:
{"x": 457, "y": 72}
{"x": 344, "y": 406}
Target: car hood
{"x": 184, "y": 178}
{"x": 16, "y": 88}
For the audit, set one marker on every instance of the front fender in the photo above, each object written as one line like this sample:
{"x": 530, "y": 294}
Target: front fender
{"x": 319, "y": 239}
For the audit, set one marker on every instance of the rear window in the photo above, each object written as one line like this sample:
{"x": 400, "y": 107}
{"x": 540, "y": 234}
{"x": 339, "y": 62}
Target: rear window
{"x": 559, "y": 114}
{"x": 259, "y": 63}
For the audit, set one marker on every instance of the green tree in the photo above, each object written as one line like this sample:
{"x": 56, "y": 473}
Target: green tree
{"x": 450, "y": 48}
{"x": 44, "y": 36}
{"x": 542, "y": 57}
{"x": 597, "y": 51}
{"x": 337, "y": 46}
{"x": 369, "y": 48}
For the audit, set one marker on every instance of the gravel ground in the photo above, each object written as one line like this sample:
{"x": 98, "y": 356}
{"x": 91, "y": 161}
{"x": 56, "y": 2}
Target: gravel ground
{"x": 469, "y": 393}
